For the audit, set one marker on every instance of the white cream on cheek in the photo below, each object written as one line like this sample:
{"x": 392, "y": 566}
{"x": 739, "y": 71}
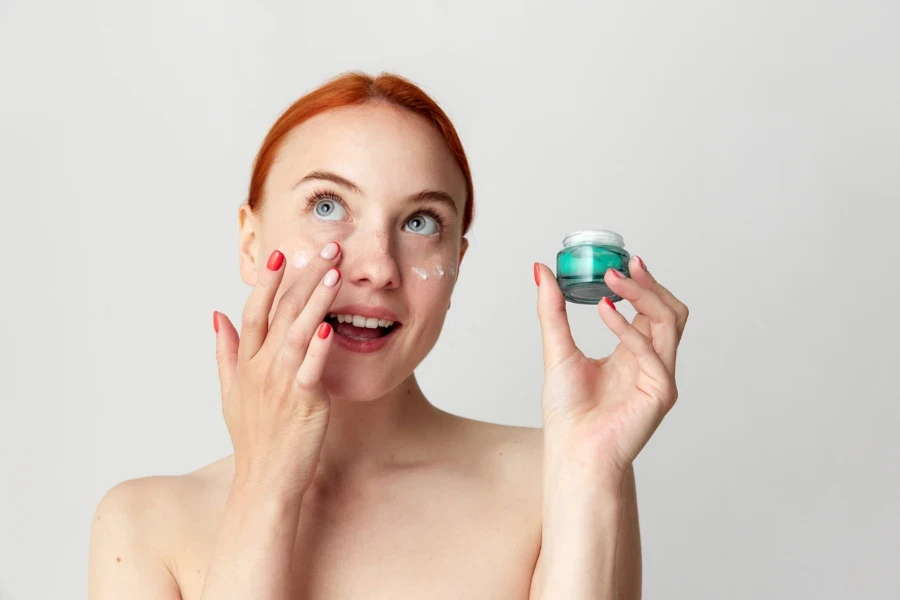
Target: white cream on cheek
{"x": 437, "y": 269}
{"x": 300, "y": 259}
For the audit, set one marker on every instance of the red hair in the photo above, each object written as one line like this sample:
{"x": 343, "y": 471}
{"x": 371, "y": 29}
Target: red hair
{"x": 353, "y": 89}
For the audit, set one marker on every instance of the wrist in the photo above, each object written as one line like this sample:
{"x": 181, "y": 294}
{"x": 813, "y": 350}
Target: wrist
{"x": 265, "y": 491}
{"x": 582, "y": 471}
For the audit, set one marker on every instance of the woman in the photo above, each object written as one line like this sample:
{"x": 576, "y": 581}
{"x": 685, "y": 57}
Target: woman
{"x": 345, "y": 481}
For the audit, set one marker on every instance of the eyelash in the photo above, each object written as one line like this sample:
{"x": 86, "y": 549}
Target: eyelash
{"x": 319, "y": 195}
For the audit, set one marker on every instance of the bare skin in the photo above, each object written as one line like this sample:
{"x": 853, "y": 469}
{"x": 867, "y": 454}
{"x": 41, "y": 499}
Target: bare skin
{"x": 465, "y": 523}
{"x": 404, "y": 500}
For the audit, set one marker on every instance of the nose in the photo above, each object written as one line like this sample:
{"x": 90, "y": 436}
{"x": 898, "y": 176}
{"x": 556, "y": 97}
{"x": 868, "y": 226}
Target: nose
{"x": 369, "y": 261}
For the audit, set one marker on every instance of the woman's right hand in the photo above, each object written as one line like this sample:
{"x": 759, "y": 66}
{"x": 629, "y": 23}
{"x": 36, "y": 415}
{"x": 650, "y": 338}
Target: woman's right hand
{"x": 275, "y": 406}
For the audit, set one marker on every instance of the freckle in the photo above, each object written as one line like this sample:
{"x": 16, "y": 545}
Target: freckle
{"x": 198, "y": 571}
{"x": 118, "y": 559}
{"x": 99, "y": 517}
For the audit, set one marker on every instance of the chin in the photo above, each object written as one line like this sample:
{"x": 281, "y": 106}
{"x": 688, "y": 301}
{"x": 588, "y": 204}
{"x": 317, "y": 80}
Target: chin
{"x": 358, "y": 387}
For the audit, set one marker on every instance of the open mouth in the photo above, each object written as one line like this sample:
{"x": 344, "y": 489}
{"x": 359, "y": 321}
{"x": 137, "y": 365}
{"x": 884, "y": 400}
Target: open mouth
{"x": 360, "y": 328}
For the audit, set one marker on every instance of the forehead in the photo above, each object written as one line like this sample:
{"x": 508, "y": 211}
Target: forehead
{"x": 380, "y": 147}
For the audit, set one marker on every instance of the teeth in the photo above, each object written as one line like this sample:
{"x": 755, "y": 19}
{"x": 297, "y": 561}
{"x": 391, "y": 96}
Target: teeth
{"x": 361, "y": 321}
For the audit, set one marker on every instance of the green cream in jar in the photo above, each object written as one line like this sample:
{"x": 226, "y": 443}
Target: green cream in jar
{"x": 583, "y": 261}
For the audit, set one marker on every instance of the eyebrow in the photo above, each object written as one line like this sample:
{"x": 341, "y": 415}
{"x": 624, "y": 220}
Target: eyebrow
{"x": 419, "y": 197}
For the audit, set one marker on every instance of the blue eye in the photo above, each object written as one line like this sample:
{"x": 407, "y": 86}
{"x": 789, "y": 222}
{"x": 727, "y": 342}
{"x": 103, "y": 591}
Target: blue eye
{"x": 326, "y": 208}
{"x": 420, "y": 224}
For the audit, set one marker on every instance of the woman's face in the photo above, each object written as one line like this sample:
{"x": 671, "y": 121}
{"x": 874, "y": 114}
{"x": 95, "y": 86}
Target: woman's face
{"x": 352, "y": 175}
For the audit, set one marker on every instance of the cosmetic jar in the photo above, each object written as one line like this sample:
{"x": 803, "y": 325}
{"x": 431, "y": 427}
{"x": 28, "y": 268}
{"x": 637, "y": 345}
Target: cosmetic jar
{"x": 584, "y": 259}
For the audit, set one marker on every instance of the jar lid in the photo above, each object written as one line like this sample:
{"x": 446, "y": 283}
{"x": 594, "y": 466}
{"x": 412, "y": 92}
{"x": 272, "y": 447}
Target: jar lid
{"x": 602, "y": 237}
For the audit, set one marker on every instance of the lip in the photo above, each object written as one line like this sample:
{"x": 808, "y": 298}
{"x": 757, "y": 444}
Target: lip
{"x": 368, "y": 311}
{"x": 376, "y": 312}
{"x": 365, "y": 346}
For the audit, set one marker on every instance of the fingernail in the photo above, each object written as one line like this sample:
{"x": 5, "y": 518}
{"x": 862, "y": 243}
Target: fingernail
{"x": 608, "y": 302}
{"x": 641, "y": 262}
{"x": 331, "y": 278}
{"x": 330, "y": 251}
{"x": 324, "y": 330}
{"x": 216, "y": 321}
{"x": 537, "y": 275}
{"x": 275, "y": 261}
{"x": 614, "y": 273}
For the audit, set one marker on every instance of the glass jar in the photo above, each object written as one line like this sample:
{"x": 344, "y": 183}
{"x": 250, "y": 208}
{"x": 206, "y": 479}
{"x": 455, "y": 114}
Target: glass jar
{"x": 583, "y": 261}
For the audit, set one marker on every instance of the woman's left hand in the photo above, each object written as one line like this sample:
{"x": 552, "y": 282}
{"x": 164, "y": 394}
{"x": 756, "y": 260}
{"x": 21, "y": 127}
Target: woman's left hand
{"x": 599, "y": 413}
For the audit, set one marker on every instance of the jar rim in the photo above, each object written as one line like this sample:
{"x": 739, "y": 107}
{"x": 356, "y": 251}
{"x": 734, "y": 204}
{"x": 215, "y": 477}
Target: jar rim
{"x": 603, "y": 237}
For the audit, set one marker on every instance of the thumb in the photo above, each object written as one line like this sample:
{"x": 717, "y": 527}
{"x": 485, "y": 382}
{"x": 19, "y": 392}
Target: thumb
{"x": 555, "y": 331}
{"x": 226, "y": 350}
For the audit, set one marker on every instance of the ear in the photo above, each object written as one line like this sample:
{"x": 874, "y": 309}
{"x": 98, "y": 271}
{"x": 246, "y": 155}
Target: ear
{"x": 248, "y": 243}
{"x": 462, "y": 252}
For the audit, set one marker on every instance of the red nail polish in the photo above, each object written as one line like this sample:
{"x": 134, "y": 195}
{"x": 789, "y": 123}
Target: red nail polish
{"x": 324, "y": 330}
{"x": 275, "y": 261}
{"x": 614, "y": 273}
{"x": 216, "y": 321}
{"x": 641, "y": 262}
{"x": 608, "y": 302}
{"x": 537, "y": 274}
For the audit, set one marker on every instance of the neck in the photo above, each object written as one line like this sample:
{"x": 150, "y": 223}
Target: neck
{"x": 368, "y": 437}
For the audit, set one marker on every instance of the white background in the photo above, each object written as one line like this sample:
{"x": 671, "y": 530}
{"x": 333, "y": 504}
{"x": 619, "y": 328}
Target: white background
{"x": 747, "y": 151}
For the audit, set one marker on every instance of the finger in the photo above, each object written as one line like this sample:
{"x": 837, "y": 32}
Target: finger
{"x": 637, "y": 343}
{"x": 293, "y": 351}
{"x": 638, "y": 271}
{"x": 662, "y": 318}
{"x": 255, "y": 317}
{"x": 309, "y": 375}
{"x": 227, "y": 343}
{"x": 555, "y": 332}
{"x": 294, "y": 299}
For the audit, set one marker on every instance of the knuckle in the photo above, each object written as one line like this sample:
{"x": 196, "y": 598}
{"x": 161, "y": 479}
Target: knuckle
{"x": 671, "y": 315}
{"x": 291, "y": 304}
{"x": 297, "y": 336}
{"x": 668, "y": 394}
{"x": 310, "y": 411}
{"x": 304, "y": 382}
{"x": 253, "y": 315}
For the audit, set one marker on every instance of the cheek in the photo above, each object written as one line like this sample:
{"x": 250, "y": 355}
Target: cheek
{"x": 299, "y": 253}
{"x": 297, "y": 257}
{"x": 432, "y": 277}
{"x": 300, "y": 257}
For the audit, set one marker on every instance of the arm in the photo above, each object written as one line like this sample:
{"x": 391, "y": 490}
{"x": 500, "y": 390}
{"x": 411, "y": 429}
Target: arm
{"x": 124, "y": 560}
{"x": 591, "y": 540}
{"x": 254, "y": 551}
{"x": 598, "y": 415}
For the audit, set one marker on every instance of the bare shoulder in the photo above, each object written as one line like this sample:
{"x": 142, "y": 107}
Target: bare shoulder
{"x": 153, "y": 502}
{"x": 512, "y": 453}
{"x": 516, "y": 442}
{"x": 139, "y": 525}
